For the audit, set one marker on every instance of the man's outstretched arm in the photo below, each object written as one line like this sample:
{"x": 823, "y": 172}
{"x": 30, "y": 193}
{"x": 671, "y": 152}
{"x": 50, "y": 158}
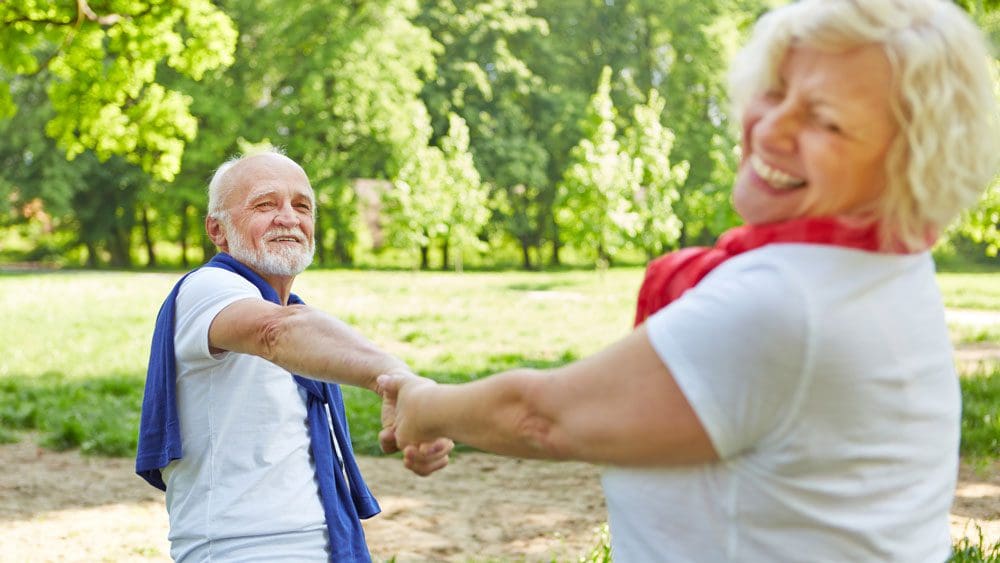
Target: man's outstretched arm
{"x": 302, "y": 340}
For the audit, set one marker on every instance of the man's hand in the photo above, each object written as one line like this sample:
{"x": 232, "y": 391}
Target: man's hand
{"x": 422, "y": 456}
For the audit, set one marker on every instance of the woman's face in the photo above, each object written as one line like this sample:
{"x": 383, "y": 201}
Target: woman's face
{"x": 815, "y": 144}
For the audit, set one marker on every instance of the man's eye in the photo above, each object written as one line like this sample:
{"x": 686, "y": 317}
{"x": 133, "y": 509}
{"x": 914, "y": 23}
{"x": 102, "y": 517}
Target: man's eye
{"x": 264, "y": 205}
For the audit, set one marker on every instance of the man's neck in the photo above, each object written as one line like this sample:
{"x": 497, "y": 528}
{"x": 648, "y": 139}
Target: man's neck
{"x": 281, "y": 284}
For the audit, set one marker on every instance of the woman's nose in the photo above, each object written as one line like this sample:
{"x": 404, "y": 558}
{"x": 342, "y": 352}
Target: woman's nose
{"x": 777, "y": 128}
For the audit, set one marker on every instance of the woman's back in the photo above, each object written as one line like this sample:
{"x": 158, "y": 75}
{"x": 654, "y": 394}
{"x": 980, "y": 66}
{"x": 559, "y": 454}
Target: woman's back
{"x": 825, "y": 379}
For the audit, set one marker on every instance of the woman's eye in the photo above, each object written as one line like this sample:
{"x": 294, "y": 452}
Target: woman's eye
{"x": 830, "y": 126}
{"x": 774, "y": 95}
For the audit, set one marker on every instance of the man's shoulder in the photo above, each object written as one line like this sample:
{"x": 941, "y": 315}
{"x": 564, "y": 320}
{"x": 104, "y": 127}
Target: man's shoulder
{"x": 209, "y": 281}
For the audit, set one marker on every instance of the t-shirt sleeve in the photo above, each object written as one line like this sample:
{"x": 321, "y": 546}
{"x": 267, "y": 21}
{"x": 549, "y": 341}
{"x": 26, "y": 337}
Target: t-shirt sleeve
{"x": 737, "y": 345}
{"x": 202, "y": 296}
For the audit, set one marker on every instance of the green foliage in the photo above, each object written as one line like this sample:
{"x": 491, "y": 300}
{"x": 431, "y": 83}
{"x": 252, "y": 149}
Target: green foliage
{"x": 147, "y": 99}
{"x": 981, "y": 224}
{"x": 978, "y": 7}
{"x": 438, "y": 197}
{"x": 482, "y": 76}
{"x": 657, "y": 180}
{"x": 594, "y": 206}
{"x": 101, "y": 71}
{"x": 338, "y": 91}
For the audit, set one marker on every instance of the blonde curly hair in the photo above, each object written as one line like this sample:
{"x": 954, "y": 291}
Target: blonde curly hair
{"x": 948, "y": 146}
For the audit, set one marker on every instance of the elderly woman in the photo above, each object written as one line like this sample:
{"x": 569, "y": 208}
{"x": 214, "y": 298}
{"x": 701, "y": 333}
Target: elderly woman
{"x": 792, "y": 393}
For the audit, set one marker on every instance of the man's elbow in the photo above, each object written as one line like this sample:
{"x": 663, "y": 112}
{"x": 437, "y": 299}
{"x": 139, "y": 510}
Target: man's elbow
{"x": 274, "y": 333}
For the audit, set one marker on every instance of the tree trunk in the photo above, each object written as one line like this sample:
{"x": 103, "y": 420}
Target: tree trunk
{"x": 556, "y": 245}
{"x": 424, "y": 253}
{"x": 341, "y": 253}
{"x": 526, "y": 255}
{"x": 444, "y": 254}
{"x": 318, "y": 237}
{"x": 91, "y": 255}
{"x": 185, "y": 226}
{"x": 118, "y": 246}
{"x": 147, "y": 237}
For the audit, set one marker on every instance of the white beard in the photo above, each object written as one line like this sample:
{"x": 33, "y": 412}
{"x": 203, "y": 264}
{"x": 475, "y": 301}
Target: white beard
{"x": 283, "y": 262}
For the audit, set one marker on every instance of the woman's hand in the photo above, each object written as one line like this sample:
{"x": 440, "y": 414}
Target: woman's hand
{"x": 423, "y": 454}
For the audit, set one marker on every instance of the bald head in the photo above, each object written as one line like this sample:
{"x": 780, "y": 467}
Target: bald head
{"x": 239, "y": 177}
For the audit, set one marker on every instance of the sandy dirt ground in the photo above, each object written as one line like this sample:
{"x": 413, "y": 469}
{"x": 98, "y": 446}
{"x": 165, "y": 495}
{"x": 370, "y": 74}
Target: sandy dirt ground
{"x": 66, "y": 507}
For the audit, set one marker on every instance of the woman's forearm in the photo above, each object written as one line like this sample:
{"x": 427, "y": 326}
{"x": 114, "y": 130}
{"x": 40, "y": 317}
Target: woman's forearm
{"x": 504, "y": 414}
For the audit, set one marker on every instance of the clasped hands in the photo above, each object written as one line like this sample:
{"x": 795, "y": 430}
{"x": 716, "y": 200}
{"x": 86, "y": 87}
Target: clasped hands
{"x": 422, "y": 454}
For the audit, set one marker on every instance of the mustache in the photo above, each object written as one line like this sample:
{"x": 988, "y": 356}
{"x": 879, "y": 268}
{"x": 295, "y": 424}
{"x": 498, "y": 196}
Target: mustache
{"x": 275, "y": 233}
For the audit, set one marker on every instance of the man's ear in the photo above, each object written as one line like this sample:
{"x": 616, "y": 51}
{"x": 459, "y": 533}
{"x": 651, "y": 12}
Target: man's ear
{"x": 216, "y": 232}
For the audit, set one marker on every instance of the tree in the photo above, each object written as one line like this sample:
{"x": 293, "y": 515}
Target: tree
{"x": 465, "y": 192}
{"x": 437, "y": 197}
{"x": 87, "y": 202}
{"x": 594, "y": 206}
{"x": 981, "y": 224}
{"x": 338, "y": 91}
{"x": 481, "y": 78}
{"x": 101, "y": 68}
{"x": 657, "y": 181}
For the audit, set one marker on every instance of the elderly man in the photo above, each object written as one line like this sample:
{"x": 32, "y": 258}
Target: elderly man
{"x": 254, "y": 454}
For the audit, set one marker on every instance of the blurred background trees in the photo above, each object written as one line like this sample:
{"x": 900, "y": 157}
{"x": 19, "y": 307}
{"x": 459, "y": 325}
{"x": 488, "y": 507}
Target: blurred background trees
{"x": 437, "y": 133}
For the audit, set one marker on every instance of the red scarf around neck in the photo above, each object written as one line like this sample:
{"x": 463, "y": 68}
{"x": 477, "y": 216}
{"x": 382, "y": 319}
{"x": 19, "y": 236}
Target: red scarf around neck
{"x": 672, "y": 274}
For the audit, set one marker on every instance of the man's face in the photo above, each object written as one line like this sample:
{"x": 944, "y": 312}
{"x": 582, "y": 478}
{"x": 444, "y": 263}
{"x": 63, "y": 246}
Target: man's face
{"x": 270, "y": 216}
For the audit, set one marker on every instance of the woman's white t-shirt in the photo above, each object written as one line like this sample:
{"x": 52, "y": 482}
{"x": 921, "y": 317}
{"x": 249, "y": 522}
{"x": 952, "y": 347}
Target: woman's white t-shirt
{"x": 825, "y": 379}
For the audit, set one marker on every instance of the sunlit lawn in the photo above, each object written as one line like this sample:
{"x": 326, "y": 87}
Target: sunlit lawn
{"x": 74, "y": 345}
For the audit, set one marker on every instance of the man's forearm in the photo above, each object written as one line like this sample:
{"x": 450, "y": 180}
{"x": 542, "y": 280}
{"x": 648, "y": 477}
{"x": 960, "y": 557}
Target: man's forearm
{"x": 309, "y": 342}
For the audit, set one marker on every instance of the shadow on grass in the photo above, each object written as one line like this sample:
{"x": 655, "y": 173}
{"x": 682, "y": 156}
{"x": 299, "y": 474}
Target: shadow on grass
{"x": 980, "y": 419}
{"x": 100, "y": 416}
{"x": 364, "y": 407}
{"x": 97, "y": 415}
{"x": 538, "y": 286}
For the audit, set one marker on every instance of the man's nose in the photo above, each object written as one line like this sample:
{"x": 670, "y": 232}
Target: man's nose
{"x": 286, "y": 216}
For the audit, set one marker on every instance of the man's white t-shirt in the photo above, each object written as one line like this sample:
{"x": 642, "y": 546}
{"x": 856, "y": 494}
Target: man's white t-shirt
{"x": 825, "y": 379}
{"x": 245, "y": 487}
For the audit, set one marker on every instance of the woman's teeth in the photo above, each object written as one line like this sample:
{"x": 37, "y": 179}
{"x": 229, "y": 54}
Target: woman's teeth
{"x": 776, "y": 178}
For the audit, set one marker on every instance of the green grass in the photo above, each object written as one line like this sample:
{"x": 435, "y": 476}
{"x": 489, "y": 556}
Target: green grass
{"x": 74, "y": 347}
{"x": 975, "y": 550}
{"x": 965, "y": 550}
{"x": 980, "y": 414}
{"x": 971, "y": 290}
